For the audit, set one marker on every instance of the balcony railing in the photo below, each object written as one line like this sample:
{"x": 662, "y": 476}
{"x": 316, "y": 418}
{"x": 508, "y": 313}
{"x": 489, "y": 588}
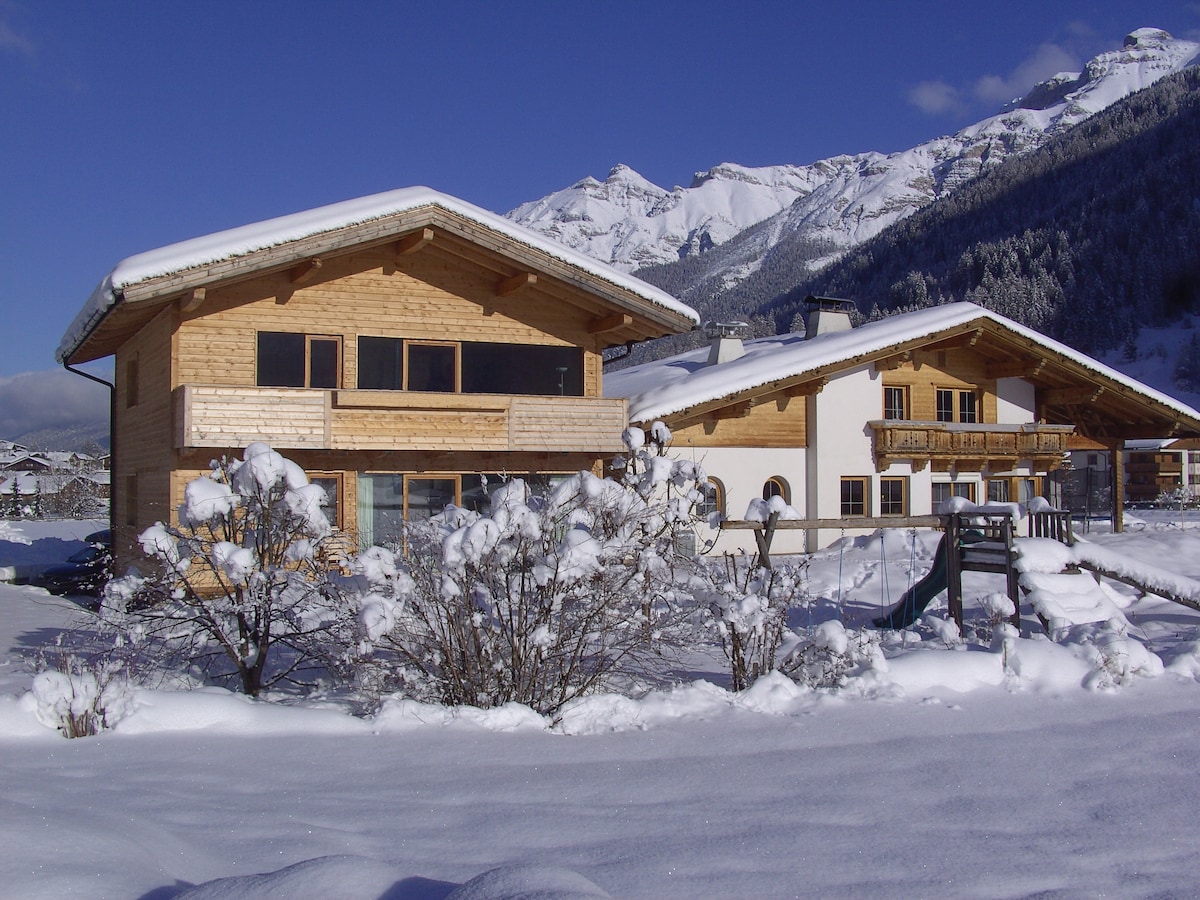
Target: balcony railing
{"x": 310, "y": 419}
{"x": 948, "y": 444}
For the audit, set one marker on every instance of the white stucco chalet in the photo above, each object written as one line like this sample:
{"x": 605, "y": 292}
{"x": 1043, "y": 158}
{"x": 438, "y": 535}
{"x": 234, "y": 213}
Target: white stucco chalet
{"x": 886, "y": 420}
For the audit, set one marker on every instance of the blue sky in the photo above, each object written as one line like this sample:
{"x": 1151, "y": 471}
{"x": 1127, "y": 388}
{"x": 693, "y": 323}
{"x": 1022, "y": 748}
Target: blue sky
{"x": 127, "y": 126}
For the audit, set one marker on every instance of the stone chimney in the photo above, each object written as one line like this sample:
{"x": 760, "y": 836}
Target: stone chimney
{"x": 726, "y": 341}
{"x": 827, "y": 315}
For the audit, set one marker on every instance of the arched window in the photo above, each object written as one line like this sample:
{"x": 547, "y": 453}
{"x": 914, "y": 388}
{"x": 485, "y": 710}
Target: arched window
{"x": 776, "y": 486}
{"x": 714, "y": 499}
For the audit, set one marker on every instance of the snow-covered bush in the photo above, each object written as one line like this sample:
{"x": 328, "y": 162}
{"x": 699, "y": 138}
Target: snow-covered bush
{"x": 831, "y": 654}
{"x": 79, "y": 696}
{"x": 545, "y": 598}
{"x": 247, "y": 587}
{"x": 748, "y": 605}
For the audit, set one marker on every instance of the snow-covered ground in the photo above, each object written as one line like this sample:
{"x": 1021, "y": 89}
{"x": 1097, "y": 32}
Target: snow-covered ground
{"x": 952, "y": 769}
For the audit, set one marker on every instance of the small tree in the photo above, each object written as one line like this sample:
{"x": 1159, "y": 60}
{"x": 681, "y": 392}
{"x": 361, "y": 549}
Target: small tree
{"x": 244, "y": 589}
{"x": 546, "y": 598}
{"x": 748, "y": 604}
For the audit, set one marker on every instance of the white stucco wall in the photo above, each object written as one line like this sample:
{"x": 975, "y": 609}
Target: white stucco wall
{"x": 1014, "y": 401}
{"x": 742, "y": 471}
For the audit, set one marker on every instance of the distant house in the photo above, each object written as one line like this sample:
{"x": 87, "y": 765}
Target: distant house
{"x": 887, "y": 420}
{"x": 399, "y": 347}
{"x": 25, "y": 461}
{"x": 1163, "y": 466}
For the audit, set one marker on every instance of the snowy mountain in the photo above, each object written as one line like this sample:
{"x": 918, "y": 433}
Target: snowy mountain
{"x": 630, "y": 223}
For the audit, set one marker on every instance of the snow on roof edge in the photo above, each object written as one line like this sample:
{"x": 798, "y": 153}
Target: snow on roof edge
{"x": 750, "y": 371}
{"x": 256, "y": 236}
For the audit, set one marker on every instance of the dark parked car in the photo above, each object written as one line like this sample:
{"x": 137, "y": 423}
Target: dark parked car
{"x": 84, "y": 572}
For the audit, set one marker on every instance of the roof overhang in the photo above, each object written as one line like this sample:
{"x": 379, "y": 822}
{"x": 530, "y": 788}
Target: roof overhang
{"x": 141, "y": 286}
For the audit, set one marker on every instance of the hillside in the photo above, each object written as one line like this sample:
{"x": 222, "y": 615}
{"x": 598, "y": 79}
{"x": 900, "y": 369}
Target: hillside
{"x": 1088, "y": 239}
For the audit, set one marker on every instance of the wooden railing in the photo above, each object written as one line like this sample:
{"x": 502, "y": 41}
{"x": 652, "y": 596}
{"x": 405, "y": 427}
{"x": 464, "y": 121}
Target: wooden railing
{"x": 949, "y": 442}
{"x": 310, "y": 419}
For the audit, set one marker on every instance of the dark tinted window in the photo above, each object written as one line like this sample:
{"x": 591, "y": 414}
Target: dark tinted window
{"x": 430, "y": 367}
{"x": 521, "y": 369}
{"x": 322, "y": 363}
{"x": 380, "y": 363}
{"x": 280, "y": 359}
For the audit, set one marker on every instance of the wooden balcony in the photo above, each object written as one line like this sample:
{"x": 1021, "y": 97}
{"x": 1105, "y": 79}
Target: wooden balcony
{"x": 309, "y": 419}
{"x": 946, "y": 445}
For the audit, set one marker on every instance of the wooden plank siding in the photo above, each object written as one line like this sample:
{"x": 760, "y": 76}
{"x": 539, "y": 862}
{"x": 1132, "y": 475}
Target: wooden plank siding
{"x": 362, "y": 294}
{"x": 774, "y": 421}
{"x": 306, "y": 419}
{"x": 958, "y": 369}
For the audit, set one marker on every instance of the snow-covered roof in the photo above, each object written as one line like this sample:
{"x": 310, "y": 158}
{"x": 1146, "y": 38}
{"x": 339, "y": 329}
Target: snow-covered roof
{"x": 247, "y": 239}
{"x": 659, "y": 389}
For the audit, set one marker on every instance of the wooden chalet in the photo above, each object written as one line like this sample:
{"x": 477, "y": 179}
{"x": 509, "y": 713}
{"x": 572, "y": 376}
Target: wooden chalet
{"x": 398, "y": 347}
{"x": 881, "y": 423}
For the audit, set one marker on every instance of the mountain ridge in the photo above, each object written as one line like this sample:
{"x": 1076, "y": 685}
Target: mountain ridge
{"x": 631, "y": 223}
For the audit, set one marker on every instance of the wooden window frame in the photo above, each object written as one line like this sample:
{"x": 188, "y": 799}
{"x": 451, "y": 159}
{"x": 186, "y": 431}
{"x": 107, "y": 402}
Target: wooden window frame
{"x": 784, "y": 489}
{"x": 308, "y": 339}
{"x": 955, "y": 411}
{"x": 885, "y": 502}
{"x": 847, "y": 506}
{"x": 339, "y": 494}
{"x": 969, "y": 485}
{"x": 718, "y": 502}
{"x": 455, "y": 345}
{"x": 903, "y": 392}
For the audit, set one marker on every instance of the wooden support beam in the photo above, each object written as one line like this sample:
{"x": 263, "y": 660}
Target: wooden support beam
{"x": 605, "y": 324}
{"x": 191, "y": 301}
{"x": 1072, "y": 396}
{"x": 806, "y": 388}
{"x": 1019, "y": 368}
{"x": 305, "y": 271}
{"x": 514, "y": 283}
{"x": 889, "y": 363}
{"x": 733, "y": 411}
{"x": 414, "y": 241}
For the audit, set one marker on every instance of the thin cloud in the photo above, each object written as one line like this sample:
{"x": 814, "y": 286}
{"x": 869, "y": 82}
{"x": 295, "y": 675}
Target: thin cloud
{"x": 10, "y": 38}
{"x": 1045, "y": 62}
{"x": 50, "y": 399}
{"x": 935, "y": 98}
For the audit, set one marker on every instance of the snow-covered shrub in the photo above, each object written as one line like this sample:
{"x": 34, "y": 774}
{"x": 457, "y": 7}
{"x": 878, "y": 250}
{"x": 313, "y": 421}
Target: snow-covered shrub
{"x": 748, "y": 605}
{"x": 831, "y": 654}
{"x": 545, "y": 598}
{"x": 247, "y": 588}
{"x": 79, "y": 696}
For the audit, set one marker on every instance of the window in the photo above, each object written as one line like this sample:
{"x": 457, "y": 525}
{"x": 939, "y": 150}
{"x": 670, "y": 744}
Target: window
{"x": 713, "y": 501}
{"x": 387, "y": 499}
{"x": 893, "y": 496}
{"x": 966, "y": 407}
{"x": 775, "y": 486}
{"x": 957, "y": 406}
{"x": 1013, "y": 489}
{"x": 895, "y": 402}
{"x": 431, "y": 367}
{"x": 854, "y": 496}
{"x": 521, "y": 369}
{"x": 944, "y": 490}
{"x": 291, "y": 359}
{"x": 332, "y": 485}
{"x": 472, "y": 367}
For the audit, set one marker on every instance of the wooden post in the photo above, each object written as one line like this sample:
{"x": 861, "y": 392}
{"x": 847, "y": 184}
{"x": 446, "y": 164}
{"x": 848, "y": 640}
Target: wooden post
{"x": 763, "y": 536}
{"x": 1117, "y": 471}
{"x": 954, "y": 569}
{"x": 1010, "y": 573}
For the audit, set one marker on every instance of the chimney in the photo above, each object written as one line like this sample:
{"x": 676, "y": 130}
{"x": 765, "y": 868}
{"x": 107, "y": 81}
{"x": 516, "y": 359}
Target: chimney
{"x": 726, "y": 341}
{"x": 827, "y": 315}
